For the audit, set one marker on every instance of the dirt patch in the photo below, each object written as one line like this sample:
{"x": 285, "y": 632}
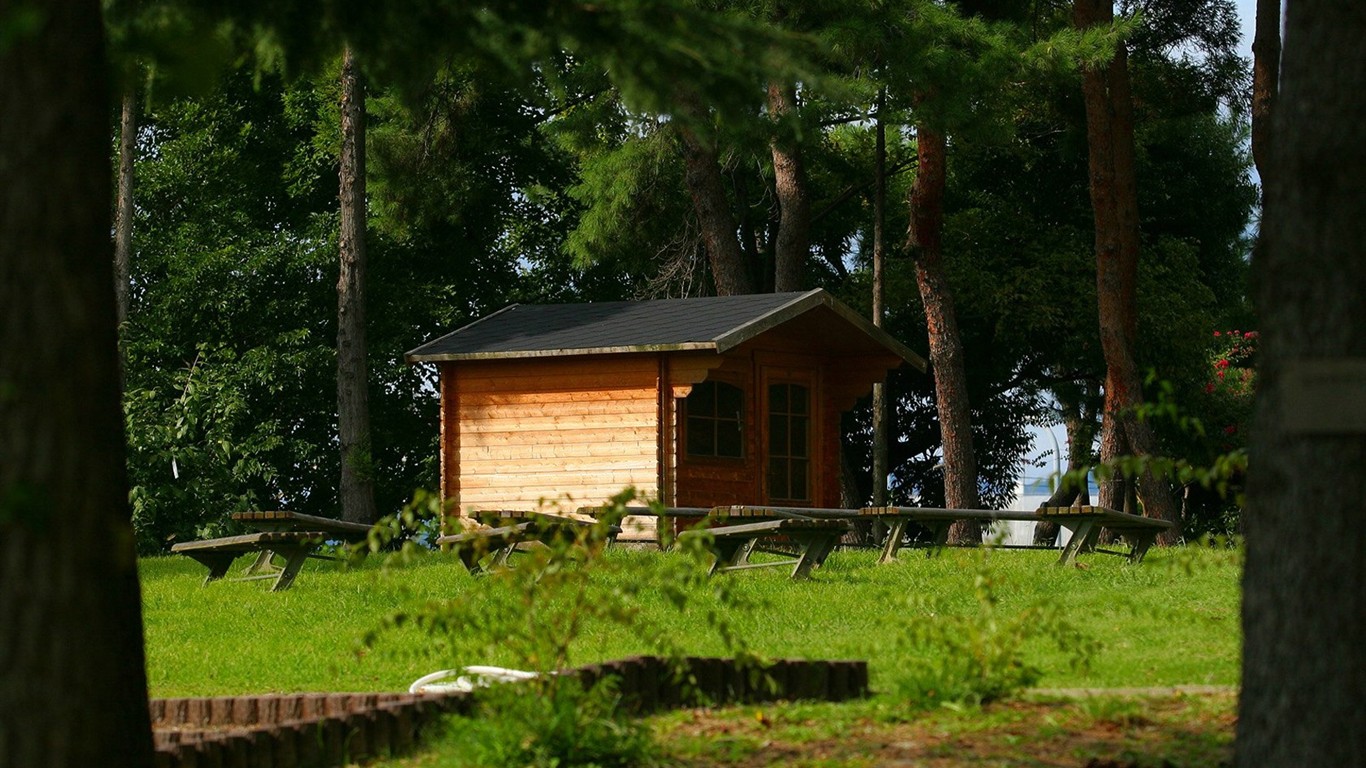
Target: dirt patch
{"x": 1186, "y": 731}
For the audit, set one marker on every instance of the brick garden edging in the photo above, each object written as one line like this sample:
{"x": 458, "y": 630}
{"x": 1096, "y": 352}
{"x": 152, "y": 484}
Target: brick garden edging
{"x": 310, "y": 730}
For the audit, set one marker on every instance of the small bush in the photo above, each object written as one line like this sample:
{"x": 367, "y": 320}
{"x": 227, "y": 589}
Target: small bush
{"x": 553, "y": 722}
{"x": 533, "y": 614}
{"x": 980, "y": 657}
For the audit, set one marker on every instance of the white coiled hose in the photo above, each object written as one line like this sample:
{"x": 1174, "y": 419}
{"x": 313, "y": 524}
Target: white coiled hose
{"x": 467, "y": 679}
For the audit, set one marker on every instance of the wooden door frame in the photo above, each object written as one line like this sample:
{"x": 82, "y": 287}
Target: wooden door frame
{"x": 784, "y": 369}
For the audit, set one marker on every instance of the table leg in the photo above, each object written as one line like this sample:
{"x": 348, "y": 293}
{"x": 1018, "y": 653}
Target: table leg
{"x": 501, "y": 555}
{"x": 1142, "y": 540}
{"x": 217, "y": 563}
{"x": 730, "y": 552}
{"x": 1081, "y": 531}
{"x": 895, "y": 531}
{"x": 294, "y": 560}
{"x": 816, "y": 547}
{"x": 939, "y": 529}
{"x": 261, "y": 564}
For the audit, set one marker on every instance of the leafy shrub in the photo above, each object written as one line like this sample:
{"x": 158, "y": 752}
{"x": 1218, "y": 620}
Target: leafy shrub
{"x": 560, "y": 724}
{"x": 980, "y": 657}
{"x": 537, "y": 612}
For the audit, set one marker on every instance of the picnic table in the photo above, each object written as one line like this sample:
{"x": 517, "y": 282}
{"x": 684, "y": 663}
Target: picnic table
{"x": 1084, "y": 523}
{"x": 733, "y": 543}
{"x": 291, "y": 536}
{"x": 472, "y": 546}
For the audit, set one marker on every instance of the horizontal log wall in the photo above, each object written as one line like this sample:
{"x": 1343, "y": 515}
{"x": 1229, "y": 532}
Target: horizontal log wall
{"x": 521, "y": 431}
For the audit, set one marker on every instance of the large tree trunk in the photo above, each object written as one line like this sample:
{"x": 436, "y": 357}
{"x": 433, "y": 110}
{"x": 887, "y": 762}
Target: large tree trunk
{"x": 74, "y": 689}
{"x": 1114, "y": 199}
{"x": 702, "y": 176}
{"x": 880, "y": 426}
{"x": 1304, "y": 583}
{"x": 123, "y": 212}
{"x": 792, "y": 246}
{"x": 1266, "y": 65}
{"x": 353, "y": 400}
{"x": 925, "y": 243}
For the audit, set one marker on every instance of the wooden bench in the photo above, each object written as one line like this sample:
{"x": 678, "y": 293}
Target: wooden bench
{"x": 732, "y": 544}
{"x": 474, "y": 545}
{"x": 291, "y": 536}
{"x": 298, "y": 521}
{"x": 218, "y": 554}
{"x": 1084, "y": 523}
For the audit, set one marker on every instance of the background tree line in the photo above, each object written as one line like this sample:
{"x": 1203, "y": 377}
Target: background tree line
{"x": 67, "y": 566}
{"x": 554, "y": 184}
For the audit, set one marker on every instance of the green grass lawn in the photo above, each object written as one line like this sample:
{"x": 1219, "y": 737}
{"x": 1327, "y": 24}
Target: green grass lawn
{"x": 1172, "y": 620}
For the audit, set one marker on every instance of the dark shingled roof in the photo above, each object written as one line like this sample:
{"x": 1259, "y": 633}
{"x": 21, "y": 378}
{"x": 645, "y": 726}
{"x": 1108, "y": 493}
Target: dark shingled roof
{"x": 710, "y": 323}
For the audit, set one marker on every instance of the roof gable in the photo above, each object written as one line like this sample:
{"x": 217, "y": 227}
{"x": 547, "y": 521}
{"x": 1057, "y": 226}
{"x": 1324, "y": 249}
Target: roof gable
{"x": 716, "y": 323}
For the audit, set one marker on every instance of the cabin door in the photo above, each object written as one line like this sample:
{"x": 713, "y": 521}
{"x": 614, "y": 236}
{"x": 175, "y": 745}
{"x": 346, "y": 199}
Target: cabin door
{"x": 789, "y": 418}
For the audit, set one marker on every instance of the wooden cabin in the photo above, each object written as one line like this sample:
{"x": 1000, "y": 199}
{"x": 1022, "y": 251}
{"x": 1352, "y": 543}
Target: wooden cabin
{"x": 698, "y": 402}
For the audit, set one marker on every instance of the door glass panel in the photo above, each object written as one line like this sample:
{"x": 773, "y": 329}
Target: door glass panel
{"x": 797, "y": 448}
{"x": 789, "y": 449}
{"x": 777, "y": 435}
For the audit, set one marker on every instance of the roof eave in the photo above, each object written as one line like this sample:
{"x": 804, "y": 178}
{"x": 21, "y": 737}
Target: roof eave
{"x": 879, "y": 335}
{"x": 804, "y": 303}
{"x": 692, "y": 346}
{"x": 415, "y": 355}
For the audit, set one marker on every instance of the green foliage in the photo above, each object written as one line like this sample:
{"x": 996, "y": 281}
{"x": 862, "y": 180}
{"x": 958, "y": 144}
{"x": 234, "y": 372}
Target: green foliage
{"x": 19, "y": 23}
{"x": 981, "y": 657}
{"x": 537, "y": 613}
{"x": 560, "y": 725}
{"x": 228, "y": 343}
{"x": 229, "y": 347}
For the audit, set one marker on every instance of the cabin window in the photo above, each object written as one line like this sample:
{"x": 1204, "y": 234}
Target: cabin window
{"x": 715, "y": 419}
{"x": 789, "y": 452}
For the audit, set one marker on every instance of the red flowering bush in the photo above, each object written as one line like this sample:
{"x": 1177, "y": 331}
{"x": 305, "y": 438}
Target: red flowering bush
{"x": 1231, "y": 384}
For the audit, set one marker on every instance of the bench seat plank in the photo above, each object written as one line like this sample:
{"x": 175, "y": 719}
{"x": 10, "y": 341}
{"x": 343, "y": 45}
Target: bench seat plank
{"x": 473, "y": 545}
{"x": 1084, "y": 523}
{"x": 298, "y": 521}
{"x": 732, "y": 544}
{"x": 218, "y": 554}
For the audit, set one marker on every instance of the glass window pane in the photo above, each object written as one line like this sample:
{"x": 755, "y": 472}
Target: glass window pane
{"x": 777, "y": 435}
{"x": 702, "y": 399}
{"x": 777, "y": 479}
{"x": 777, "y": 398}
{"x": 729, "y": 439}
{"x": 701, "y": 437}
{"x": 730, "y": 401}
{"x": 797, "y": 400}
{"x": 799, "y": 444}
{"x": 798, "y": 478}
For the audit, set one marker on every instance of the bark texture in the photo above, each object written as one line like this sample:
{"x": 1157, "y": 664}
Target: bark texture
{"x": 1304, "y": 583}
{"x": 925, "y": 243}
{"x": 880, "y": 411}
{"x": 792, "y": 245}
{"x": 73, "y": 686}
{"x": 353, "y": 400}
{"x": 702, "y": 176}
{"x": 123, "y": 212}
{"x": 1266, "y": 65}
{"x": 1114, "y": 200}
